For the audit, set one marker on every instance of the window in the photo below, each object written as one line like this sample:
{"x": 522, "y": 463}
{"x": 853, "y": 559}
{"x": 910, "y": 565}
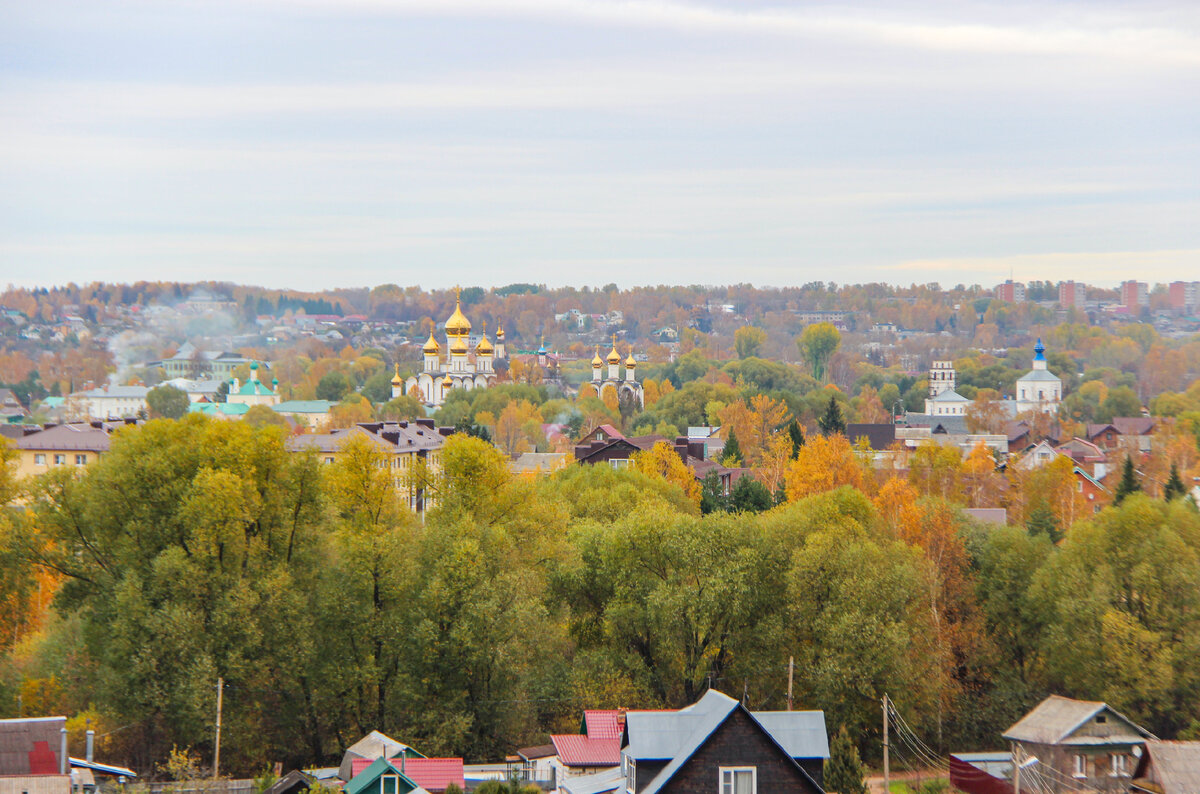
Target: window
{"x": 739, "y": 780}
{"x": 389, "y": 784}
{"x": 39, "y": 459}
{"x": 329, "y": 460}
{"x": 1080, "y": 765}
{"x": 60, "y": 460}
{"x": 80, "y": 460}
{"x": 630, "y": 775}
{"x": 619, "y": 463}
{"x": 1119, "y": 765}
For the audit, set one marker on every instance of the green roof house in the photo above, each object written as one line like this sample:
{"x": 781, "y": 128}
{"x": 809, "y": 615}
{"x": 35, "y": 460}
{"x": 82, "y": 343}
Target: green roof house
{"x": 253, "y": 391}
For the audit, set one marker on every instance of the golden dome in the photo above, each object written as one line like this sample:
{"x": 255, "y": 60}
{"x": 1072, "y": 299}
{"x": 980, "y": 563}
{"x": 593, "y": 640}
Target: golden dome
{"x": 613, "y": 356}
{"x": 458, "y": 324}
{"x": 597, "y": 362}
{"x": 396, "y": 381}
{"x": 431, "y": 345}
{"x": 447, "y": 383}
{"x": 484, "y": 348}
{"x": 499, "y": 332}
{"x": 629, "y": 362}
{"x": 458, "y": 344}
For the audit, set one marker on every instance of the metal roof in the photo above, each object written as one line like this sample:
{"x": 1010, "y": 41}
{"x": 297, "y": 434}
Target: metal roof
{"x": 599, "y": 783}
{"x": 576, "y": 750}
{"x": 82, "y": 437}
{"x": 1039, "y": 375}
{"x": 1054, "y": 720}
{"x": 602, "y": 723}
{"x": 104, "y": 769}
{"x": 800, "y": 733}
{"x": 1176, "y": 766}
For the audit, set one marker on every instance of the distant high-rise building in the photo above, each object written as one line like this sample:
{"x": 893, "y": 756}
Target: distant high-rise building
{"x": 1134, "y": 295}
{"x": 1184, "y": 295}
{"x": 1011, "y": 291}
{"x": 1071, "y": 294}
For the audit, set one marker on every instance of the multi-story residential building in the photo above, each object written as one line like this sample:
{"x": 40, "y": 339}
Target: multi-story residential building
{"x": 1184, "y": 296}
{"x": 1135, "y": 296}
{"x": 411, "y": 450}
{"x": 1011, "y": 291}
{"x": 108, "y": 402}
{"x": 191, "y": 362}
{"x": 72, "y": 444}
{"x": 1071, "y": 295}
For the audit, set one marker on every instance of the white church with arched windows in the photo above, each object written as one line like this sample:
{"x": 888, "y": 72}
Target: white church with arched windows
{"x": 613, "y": 382}
{"x": 1039, "y": 389}
{"x": 458, "y": 369}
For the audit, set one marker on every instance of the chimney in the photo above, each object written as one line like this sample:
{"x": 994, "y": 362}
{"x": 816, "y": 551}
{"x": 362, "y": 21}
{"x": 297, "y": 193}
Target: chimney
{"x": 91, "y": 745}
{"x": 62, "y": 755}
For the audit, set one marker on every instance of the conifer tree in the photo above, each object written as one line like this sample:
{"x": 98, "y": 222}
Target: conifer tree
{"x": 732, "y": 456}
{"x": 1129, "y": 484}
{"x": 844, "y": 773}
{"x": 1041, "y": 521}
{"x": 797, "y": 436}
{"x": 1174, "y": 487}
{"x": 832, "y": 422}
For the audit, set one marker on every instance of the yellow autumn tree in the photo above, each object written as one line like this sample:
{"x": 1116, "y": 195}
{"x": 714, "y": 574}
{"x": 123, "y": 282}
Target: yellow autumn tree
{"x": 650, "y": 392}
{"x": 825, "y": 463}
{"x": 661, "y": 460}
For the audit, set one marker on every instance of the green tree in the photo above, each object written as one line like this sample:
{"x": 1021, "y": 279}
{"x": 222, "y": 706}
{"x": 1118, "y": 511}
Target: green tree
{"x": 845, "y": 773}
{"x": 378, "y": 387}
{"x": 1129, "y": 483}
{"x": 796, "y": 434}
{"x": 712, "y": 494}
{"x": 817, "y": 344}
{"x": 750, "y": 496}
{"x": 732, "y": 454}
{"x": 263, "y": 416}
{"x": 1041, "y": 521}
{"x": 832, "y": 422}
{"x": 1120, "y": 401}
{"x": 167, "y": 402}
{"x": 748, "y": 341}
{"x": 333, "y": 386}
{"x": 402, "y": 407}
{"x": 1174, "y": 487}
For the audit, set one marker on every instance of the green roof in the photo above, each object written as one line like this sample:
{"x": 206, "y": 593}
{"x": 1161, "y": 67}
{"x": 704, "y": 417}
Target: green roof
{"x": 214, "y": 409}
{"x": 253, "y": 386}
{"x": 303, "y": 407}
{"x": 367, "y": 778}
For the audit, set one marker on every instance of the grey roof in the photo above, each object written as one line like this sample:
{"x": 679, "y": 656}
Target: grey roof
{"x": 949, "y": 396}
{"x": 116, "y": 391}
{"x": 389, "y": 437}
{"x": 991, "y": 515}
{"x": 70, "y": 437}
{"x": 956, "y": 425}
{"x": 677, "y": 735}
{"x": 1054, "y": 720}
{"x": 800, "y": 733}
{"x": 599, "y": 783}
{"x": 1176, "y": 766}
{"x": 374, "y": 745}
{"x": 1039, "y": 375}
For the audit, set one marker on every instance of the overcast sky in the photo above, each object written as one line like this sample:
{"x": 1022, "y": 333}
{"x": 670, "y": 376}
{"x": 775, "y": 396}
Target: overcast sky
{"x": 325, "y": 143}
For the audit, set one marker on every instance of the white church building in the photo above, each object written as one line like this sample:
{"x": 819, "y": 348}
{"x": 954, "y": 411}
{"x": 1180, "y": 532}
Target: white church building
{"x": 458, "y": 368}
{"x": 1039, "y": 389}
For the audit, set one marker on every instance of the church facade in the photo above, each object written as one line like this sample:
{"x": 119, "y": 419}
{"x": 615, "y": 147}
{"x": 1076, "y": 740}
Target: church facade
{"x": 1040, "y": 389}
{"x": 613, "y": 383}
{"x": 460, "y": 367}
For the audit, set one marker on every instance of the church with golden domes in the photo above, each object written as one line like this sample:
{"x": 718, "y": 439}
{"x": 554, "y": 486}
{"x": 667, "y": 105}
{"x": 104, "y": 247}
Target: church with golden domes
{"x": 457, "y": 369}
{"x": 613, "y": 382}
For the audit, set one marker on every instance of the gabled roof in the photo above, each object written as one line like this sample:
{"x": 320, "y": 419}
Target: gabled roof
{"x": 577, "y": 750}
{"x": 603, "y": 723}
{"x": 1125, "y": 426}
{"x": 948, "y": 396}
{"x": 540, "y": 751}
{"x": 699, "y": 722}
{"x": 373, "y": 772}
{"x": 1056, "y": 718}
{"x": 1176, "y": 766}
{"x": 1036, "y": 375}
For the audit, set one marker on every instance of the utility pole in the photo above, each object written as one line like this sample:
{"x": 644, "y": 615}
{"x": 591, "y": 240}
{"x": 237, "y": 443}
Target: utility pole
{"x": 1016, "y": 755}
{"x": 791, "y": 673}
{"x": 217, "y": 743}
{"x": 887, "y": 775}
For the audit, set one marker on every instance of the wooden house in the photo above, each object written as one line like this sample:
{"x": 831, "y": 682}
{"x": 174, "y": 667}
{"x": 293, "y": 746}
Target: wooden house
{"x": 1077, "y": 745}
{"x": 1168, "y": 768}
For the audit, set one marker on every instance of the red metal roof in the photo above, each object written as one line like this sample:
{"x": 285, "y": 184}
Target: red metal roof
{"x": 434, "y": 774}
{"x": 577, "y": 750}
{"x": 602, "y": 723}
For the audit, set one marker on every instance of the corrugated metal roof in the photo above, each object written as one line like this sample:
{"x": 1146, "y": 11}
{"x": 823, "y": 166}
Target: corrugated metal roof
{"x": 602, "y": 723}
{"x": 801, "y": 734}
{"x": 30, "y": 746}
{"x": 434, "y": 774}
{"x": 1054, "y": 720}
{"x": 576, "y": 750}
{"x": 660, "y": 735}
{"x": 599, "y": 783}
{"x": 1176, "y": 766}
